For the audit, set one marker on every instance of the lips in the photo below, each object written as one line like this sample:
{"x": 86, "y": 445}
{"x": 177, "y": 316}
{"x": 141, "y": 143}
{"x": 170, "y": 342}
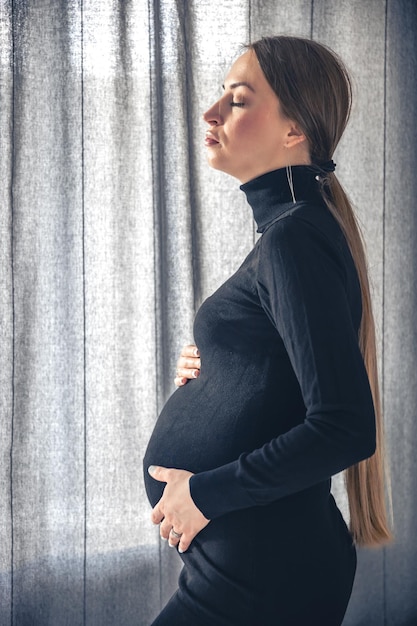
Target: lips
{"x": 210, "y": 140}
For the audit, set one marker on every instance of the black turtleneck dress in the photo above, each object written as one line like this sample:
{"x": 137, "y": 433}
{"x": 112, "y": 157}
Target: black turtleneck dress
{"x": 282, "y": 404}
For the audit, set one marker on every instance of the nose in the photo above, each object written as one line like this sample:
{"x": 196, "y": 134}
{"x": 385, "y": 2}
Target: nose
{"x": 212, "y": 116}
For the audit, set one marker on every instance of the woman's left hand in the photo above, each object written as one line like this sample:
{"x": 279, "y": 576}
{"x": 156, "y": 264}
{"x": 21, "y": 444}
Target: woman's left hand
{"x": 176, "y": 510}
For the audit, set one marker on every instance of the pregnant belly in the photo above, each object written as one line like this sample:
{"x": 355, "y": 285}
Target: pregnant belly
{"x": 197, "y": 431}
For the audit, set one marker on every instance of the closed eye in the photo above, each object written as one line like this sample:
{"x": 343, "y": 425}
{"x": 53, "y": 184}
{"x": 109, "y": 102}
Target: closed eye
{"x": 237, "y": 104}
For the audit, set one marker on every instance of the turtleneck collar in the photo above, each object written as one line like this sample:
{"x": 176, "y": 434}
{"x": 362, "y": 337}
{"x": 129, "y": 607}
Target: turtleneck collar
{"x": 270, "y": 196}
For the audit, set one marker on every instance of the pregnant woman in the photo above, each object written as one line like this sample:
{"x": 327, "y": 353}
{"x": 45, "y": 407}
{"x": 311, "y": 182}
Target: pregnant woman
{"x": 239, "y": 465}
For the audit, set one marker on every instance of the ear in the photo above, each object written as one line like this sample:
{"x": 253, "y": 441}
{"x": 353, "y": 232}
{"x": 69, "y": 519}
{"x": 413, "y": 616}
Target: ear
{"x": 294, "y": 136}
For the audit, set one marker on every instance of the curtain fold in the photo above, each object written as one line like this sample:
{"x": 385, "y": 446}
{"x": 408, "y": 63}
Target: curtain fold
{"x": 113, "y": 230}
{"x": 6, "y": 305}
{"x": 45, "y": 459}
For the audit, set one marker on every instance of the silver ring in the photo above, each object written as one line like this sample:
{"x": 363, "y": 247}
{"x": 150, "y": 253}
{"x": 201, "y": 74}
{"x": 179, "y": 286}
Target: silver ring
{"x": 176, "y": 535}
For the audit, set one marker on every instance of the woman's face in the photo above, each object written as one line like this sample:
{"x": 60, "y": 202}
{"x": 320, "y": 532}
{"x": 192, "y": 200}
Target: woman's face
{"x": 248, "y": 135}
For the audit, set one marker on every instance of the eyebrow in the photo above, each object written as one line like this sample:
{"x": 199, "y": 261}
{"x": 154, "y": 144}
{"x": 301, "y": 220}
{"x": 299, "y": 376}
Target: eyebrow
{"x": 240, "y": 84}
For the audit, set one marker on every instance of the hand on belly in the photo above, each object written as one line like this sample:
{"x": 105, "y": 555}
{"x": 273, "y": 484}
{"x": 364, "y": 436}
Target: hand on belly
{"x": 179, "y": 518}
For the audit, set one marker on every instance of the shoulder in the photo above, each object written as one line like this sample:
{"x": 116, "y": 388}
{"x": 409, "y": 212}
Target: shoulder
{"x": 314, "y": 220}
{"x": 306, "y": 229}
{"x": 306, "y": 243}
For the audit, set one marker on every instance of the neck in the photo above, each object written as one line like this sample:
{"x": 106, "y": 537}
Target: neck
{"x": 273, "y": 193}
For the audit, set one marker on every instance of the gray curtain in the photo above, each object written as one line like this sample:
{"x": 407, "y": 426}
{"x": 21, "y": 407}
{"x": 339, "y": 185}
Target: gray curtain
{"x": 113, "y": 230}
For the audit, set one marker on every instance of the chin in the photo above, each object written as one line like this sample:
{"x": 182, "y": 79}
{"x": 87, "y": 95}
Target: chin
{"x": 216, "y": 164}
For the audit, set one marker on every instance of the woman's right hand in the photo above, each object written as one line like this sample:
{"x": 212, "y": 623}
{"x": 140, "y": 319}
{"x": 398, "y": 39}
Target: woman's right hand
{"x": 188, "y": 365}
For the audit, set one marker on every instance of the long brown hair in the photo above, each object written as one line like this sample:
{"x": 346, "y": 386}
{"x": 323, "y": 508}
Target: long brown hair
{"x": 314, "y": 90}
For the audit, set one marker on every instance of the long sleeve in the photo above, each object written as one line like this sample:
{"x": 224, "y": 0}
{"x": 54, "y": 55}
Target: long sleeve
{"x": 305, "y": 283}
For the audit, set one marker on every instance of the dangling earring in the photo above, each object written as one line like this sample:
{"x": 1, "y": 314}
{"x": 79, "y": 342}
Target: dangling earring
{"x": 290, "y": 182}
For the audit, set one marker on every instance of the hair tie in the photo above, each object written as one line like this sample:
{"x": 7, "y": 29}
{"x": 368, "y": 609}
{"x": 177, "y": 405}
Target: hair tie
{"x": 327, "y": 166}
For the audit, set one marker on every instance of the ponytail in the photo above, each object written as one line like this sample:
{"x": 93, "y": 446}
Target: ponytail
{"x": 365, "y": 482}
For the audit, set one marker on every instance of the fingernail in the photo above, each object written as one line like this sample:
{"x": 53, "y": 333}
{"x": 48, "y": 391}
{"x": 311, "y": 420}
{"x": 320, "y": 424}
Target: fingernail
{"x": 196, "y": 373}
{"x": 163, "y": 538}
{"x": 151, "y": 469}
{"x": 171, "y": 545}
{"x": 196, "y": 352}
{"x": 181, "y": 551}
